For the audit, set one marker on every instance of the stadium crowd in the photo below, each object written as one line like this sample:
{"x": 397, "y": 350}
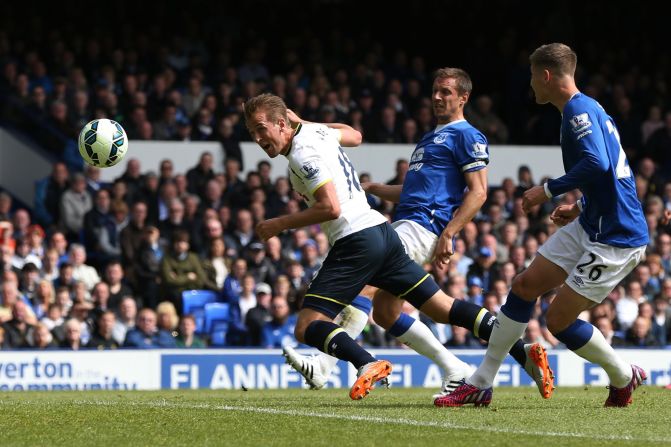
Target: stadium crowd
{"x": 104, "y": 265}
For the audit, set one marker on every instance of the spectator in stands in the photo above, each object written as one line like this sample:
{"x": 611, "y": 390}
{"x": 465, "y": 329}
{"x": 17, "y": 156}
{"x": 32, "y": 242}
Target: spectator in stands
{"x": 278, "y": 332}
{"x": 81, "y": 270}
{"x": 278, "y": 197}
{"x": 658, "y": 144}
{"x": 18, "y": 330}
{"x": 147, "y": 266}
{"x": 462, "y": 338}
{"x": 127, "y": 317}
{"x": 198, "y": 176}
{"x": 72, "y": 339}
{"x": 43, "y": 339}
{"x": 5, "y": 206}
{"x": 167, "y": 318}
{"x": 53, "y": 317}
{"x": 115, "y": 280}
{"x": 259, "y": 315}
{"x": 180, "y": 269}
{"x": 627, "y": 306}
{"x": 133, "y": 178}
{"x": 230, "y": 142}
{"x": 23, "y": 256}
{"x": 259, "y": 264}
{"x": 652, "y": 123}
{"x": 75, "y": 203}
{"x": 640, "y": 334}
{"x": 96, "y": 222}
{"x": 48, "y": 194}
{"x": 45, "y": 296}
{"x": 483, "y": 118}
{"x": 174, "y": 222}
{"x": 216, "y": 265}
{"x": 131, "y": 237}
{"x": 605, "y": 325}
{"x": 187, "y": 337}
{"x": 213, "y": 195}
{"x": 103, "y": 337}
{"x": 29, "y": 278}
{"x": 146, "y": 335}
{"x": 244, "y": 233}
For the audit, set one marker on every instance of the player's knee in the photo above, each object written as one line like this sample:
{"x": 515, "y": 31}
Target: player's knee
{"x": 384, "y": 316}
{"x": 299, "y": 331}
{"x": 524, "y": 287}
{"x": 555, "y": 321}
{"x": 369, "y": 292}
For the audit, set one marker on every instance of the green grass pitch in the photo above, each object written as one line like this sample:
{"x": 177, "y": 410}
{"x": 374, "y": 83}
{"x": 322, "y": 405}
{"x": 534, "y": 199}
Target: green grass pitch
{"x": 519, "y": 417}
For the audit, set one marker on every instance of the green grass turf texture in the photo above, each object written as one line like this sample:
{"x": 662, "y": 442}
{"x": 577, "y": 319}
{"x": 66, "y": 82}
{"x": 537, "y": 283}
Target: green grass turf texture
{"x": 517, "y": 416}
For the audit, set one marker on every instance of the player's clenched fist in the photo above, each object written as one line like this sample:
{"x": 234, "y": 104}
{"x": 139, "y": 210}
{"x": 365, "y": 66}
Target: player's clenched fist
{"x": 268, "y": 228}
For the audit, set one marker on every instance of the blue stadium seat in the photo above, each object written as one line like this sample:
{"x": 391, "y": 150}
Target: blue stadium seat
{"x": 194, "y": 301}
{"x": 217, "y": 318}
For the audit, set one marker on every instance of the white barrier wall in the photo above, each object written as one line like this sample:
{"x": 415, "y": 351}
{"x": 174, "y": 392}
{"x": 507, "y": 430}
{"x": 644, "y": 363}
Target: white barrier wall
{"x": 20, "y": 166}
{"x": 260, "y": 369}
{"x": 379, "y": 160}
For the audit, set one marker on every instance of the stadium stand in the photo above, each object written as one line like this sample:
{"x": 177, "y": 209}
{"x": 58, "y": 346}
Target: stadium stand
{"x": 176, "y": 74}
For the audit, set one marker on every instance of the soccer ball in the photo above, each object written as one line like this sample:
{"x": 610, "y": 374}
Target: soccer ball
{"x": 103, "y": 143}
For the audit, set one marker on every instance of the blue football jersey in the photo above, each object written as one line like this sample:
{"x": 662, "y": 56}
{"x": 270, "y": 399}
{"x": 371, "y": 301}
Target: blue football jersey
{"x": 595, "y": 163}
{"x": 434, "y": 186}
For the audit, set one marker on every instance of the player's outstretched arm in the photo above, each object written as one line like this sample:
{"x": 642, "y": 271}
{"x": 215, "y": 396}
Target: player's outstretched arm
{"x": 325, "y": 208}
{"x": 391, "y": 193}
{"x": 473, "y": 201}
{"x": 349, "y": 137}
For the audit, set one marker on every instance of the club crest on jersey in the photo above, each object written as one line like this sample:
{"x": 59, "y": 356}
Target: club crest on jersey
{"x": 440, "y": 138}
{"x": 480, "y": 150}
{"x": 309, "y": 170}
{"x": 580, "y": 122}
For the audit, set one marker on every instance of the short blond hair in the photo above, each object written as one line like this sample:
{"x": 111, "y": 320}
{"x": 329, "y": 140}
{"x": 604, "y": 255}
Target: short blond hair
{"x": 556, "y": 57}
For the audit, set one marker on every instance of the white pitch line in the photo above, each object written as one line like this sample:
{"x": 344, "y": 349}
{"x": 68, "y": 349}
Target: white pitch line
{"x": 369, "y": 419}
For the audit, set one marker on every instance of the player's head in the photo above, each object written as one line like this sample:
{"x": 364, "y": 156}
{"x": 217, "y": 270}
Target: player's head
{"x": 549, "y": 64}
{"x": 451, "y": 89}
{"x": 268, "y": 124}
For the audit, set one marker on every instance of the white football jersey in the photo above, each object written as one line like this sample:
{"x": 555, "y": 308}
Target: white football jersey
{"x": 316, "y": 158}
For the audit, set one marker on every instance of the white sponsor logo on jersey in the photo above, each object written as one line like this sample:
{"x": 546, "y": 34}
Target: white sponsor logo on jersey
{"x": 417, "y": 155}
{"x": 580, "y": 122}
{"x": 440, "y": 138}
{"x": 479, "y": 150}
{"x": 309, "y": 169}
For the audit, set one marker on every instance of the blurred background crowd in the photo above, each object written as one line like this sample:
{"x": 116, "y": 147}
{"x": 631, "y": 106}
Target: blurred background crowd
{"x": 107, "y": 265}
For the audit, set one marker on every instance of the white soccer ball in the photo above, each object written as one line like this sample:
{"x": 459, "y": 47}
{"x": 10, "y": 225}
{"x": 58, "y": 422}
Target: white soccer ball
{"x": 103, "y": 143}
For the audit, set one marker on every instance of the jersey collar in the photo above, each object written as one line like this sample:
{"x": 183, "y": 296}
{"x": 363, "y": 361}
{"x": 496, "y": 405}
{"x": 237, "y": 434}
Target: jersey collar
{"x": 440, "y": 127}
{"x": 298, "y": 129}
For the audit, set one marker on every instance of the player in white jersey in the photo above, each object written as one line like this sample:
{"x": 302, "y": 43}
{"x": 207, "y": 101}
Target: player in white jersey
{"x": 448, "y": 172}
{"x": 365, "y": 248}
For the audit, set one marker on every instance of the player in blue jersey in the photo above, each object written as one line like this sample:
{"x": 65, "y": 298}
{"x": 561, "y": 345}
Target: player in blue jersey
{"x": 587, "y": 256}
{"x": 447, "y": 173}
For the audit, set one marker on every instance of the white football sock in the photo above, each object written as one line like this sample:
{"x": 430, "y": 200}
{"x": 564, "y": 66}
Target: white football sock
{"x": 504, "y": 335}
{"x": 420, "y": 338}
{"x": 598, "y": 351}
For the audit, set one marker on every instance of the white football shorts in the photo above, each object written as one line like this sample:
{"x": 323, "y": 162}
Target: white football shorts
{"x": 419, "y": 242}
{"x": 593, "y": 269}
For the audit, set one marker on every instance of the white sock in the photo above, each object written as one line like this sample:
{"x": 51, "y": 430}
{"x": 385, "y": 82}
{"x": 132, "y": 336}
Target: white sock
{"x": 504, "y": 335}
{"x": 353, "y": 321}
{"x": 420, "y": 338}
{"x": 598, "y": 351}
